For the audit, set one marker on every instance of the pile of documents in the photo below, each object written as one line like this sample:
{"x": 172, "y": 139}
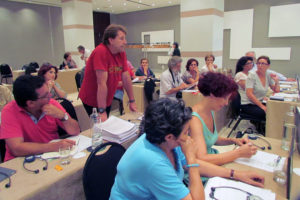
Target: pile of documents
{"x": 118, "y": 130}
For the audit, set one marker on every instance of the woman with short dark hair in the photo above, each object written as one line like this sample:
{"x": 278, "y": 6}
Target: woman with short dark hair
{"x": 153, "y": 166}
{"x": 49, "y": 72}
{"x": 68, "y": 62}
{"x": 191, "y": 75}
{"x": 216, "y": 89}
{"x": 144, "y": 71}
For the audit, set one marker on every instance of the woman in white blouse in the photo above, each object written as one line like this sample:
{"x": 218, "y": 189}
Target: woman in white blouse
{"x": 209, "y": 64}
{"x": 257, "y": 85}
{"x": 243, "y": 66}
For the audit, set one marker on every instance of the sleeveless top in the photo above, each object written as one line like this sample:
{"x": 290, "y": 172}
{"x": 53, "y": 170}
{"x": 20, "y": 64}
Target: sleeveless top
{"x": 210, "y": 138}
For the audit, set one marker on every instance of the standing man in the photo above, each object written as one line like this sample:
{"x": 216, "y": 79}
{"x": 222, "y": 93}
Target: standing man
{"x": 106, "y": 66}
{"x": 85, "y": 53}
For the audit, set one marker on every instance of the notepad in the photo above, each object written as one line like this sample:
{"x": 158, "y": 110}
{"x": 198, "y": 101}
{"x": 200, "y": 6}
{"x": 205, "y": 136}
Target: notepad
{"x": 263, "y": 160}
{"x": 233, "y": 194}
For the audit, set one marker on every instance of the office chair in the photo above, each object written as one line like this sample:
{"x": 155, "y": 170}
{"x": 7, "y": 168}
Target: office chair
{"x": 238, "y": 114}
{"x": 5, "y": 72}
{"x": 68, "y": 106}
{"x": 100, "y": 170}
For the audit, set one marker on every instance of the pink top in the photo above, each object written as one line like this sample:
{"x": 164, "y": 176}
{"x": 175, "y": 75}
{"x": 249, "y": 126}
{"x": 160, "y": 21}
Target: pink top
{"x": 17, "y": 122}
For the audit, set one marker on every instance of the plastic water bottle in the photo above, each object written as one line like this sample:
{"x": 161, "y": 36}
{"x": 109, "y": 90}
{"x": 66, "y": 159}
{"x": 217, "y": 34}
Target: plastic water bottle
{"x": 96, "y": 129}
{"x": 289, "y": 129}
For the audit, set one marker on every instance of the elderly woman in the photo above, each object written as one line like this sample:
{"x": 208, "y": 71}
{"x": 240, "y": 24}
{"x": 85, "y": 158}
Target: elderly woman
{"x": 68, "y": 63}
{"x": 171, "y": 83}
{"x": 153, "y": 166}
{"x": 144, "y": 71}
{"x": 209, "y": 64}
{"x": 191, "y": 75}
{"x": 49, "y": 72}
{"x": 216, "y": 89}
{"x": 257, "y": 85}
{"x": 243, "y": 66}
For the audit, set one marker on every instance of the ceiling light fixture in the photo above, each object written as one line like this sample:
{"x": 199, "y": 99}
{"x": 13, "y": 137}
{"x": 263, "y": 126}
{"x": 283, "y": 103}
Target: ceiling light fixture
{"x": 138, "y": 2}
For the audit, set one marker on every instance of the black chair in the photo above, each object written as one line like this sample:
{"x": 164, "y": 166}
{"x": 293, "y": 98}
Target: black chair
{"x": 149, "y": 87}
{"x": 100, "y": 170}
{"x": 68, "y": 106}
{"x": 30, "y": 69}
{"x": 238, "y": 114}
{"x": 5, "y": 72}
{"x": 2, "y": 149}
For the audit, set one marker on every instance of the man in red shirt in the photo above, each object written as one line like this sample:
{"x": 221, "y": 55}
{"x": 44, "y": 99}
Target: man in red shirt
{"x": 32, "y": 120}
{"x": 106, "y": 66}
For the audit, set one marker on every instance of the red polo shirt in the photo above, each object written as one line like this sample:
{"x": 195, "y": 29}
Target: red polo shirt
{"x": 16, "y": 122}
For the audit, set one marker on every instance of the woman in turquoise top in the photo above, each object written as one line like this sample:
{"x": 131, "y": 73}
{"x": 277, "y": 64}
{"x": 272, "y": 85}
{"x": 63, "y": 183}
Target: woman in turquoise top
{"x": 216, "y": 89}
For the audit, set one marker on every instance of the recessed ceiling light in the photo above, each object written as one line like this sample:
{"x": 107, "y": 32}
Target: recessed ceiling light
{"x": 124, "y": 4}
{"x": 140, "y": 1}
{"x": 153, "y": 4}
{"x": 110, "y": 6}
{"x": 98, "y": 8}
{"x": 170, "y": 2}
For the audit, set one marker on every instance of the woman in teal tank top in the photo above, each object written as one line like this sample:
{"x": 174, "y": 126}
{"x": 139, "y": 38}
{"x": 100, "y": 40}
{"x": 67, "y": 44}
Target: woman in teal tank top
{"x": 216, "y": 89}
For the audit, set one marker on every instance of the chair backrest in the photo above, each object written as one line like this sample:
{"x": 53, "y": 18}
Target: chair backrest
{"x": 2, "y": 149}
{"x": 30, "y": 69}
{"x": 235, "y": 105}
{"x": 149, "y": 87}
{"x": 78, "y": 80}
{"x": 68, "y": 106}
{"x": 100, "y": 170}
{"x": 5, "y": 69}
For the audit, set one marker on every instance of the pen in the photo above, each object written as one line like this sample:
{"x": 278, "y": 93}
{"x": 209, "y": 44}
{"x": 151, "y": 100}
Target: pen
{"x": 77, "y": 142}
{"x": 278, "y": 160}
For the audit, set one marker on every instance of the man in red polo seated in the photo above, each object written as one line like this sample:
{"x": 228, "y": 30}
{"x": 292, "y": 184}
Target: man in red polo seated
{"x": 30, "y": 121}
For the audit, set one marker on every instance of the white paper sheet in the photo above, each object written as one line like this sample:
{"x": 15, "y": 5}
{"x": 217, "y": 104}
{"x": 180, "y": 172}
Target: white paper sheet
{"x": 232, "y": 194}
{"x": 263, "y": 160}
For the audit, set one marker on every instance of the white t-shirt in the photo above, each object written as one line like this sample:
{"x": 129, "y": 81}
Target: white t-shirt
{"x": 204, "y": 69}
{"x": 240, "y": 76}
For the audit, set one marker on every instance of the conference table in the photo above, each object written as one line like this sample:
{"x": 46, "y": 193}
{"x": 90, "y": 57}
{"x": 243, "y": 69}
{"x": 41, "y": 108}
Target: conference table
{"x": 280, "y": 190}
{"x": 65, "y": 78}
{"x": 50, "y": 184}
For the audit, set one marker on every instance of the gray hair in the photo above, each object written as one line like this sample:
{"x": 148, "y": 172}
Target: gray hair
{"x": 174, "y": 61}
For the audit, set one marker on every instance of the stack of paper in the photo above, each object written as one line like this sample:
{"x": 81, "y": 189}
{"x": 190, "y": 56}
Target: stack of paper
{"x": 118, "y": 130}
{"x": 231, "y": 190}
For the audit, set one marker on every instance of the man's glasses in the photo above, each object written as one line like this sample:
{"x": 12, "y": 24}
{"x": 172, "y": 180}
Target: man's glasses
{"x": 263, "y": 64}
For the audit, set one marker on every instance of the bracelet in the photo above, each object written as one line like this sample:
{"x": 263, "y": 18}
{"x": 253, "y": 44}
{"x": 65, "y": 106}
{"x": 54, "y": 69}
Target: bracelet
{"x": 231, "y": 174}
{"x": 192, "y": 165}
{"x": 131, "y": 101}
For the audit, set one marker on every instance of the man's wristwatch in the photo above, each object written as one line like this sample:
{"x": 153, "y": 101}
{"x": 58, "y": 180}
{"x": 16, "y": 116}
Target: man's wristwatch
{"x": 65, "y": 118}
{"x": 131, "y": 101}
{"x": 101, "y": 110}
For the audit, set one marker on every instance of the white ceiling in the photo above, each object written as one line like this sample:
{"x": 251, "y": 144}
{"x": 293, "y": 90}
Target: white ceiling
{"x": 114, "y": 6}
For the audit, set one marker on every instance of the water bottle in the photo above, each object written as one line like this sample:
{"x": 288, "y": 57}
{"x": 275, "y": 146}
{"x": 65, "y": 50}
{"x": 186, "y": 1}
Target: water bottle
{"x": 289, "y": 129}
{"x": 96, "y": 129}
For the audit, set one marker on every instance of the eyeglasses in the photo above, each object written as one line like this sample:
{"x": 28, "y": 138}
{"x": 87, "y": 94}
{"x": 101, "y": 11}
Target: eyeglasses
{"x": 263, "y": 64}
{"x": 251, "y": 63}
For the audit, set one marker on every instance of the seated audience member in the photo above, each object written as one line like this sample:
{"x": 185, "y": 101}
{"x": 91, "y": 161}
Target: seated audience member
{"x": 144, "y": 71}
{"x": 191, "y": 75}
{"x": 5, "y": 96}
{"x": 85, "y": 53}
{"x": 49, "y": 72}
{"x": 243, "y": 66}
{"x": 31, "y": 121}
{"x": 280, "y": 76}
{"x": 209, "y": 64}
{"x": 153, "y": 166}
{"x": 257, "y": 85}
{"x": 171, "y": 83}
{"x": 216, "y": 89}
{"x": 68, "y": 62}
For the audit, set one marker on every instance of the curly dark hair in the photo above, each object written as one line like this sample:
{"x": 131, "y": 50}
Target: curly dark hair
{"x": 216, "y": 84}
{"x": 189, "y": 62}
{"x": 163, "y": 117}
{"x": 264, "y": 57}
{"x": 241, "y": 63}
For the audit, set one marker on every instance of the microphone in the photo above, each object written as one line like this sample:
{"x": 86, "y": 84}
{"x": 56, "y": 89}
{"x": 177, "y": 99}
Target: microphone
{"x": 7, "y": 185}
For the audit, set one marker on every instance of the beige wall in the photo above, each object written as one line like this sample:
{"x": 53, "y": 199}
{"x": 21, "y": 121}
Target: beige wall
{"x": 260, "y": 37}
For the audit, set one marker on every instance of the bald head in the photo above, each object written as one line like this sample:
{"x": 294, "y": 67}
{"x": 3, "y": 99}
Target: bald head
{"x": 252, "y": 55}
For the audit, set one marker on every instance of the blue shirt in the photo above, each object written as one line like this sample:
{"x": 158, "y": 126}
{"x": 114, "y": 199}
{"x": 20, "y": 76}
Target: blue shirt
{"x": 145, "y": 172}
